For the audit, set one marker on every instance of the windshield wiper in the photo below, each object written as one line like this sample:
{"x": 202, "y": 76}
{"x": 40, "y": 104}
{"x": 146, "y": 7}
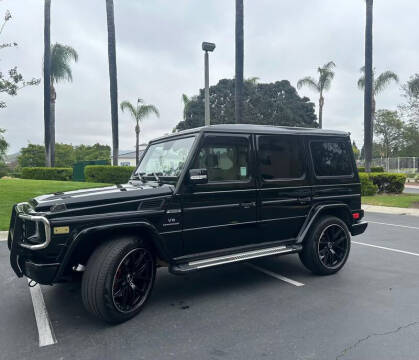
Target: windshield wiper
{"x": 156, "y": 177}
{"x": 137, "y": 177}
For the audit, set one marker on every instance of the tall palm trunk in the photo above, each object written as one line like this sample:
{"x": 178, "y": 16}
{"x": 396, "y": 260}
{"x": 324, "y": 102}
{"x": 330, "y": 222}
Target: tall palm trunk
{"x": 137, "y": 144}
{"x": 321, "y": 104}
{"x": 239, "y": 62}
{"x": 47, "y": 77}
{"x": 368, "y": 94}
{"x": 113, "y": 79}
{"x": 52, "y": 124}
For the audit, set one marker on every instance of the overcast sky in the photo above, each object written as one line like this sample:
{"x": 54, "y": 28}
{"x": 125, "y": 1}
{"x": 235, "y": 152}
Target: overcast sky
{"x": 159, "y": 58}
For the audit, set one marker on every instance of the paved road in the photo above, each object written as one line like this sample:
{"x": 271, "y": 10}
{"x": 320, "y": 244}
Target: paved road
{"x": 369, "y": 310}
{"x": 411, "y": 190}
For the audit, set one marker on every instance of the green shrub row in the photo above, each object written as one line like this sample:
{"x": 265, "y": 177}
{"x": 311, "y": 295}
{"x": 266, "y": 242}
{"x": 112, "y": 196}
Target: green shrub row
{"x": 374, "y": 169}
{"x": 367, "y": 186}
{"x": 45, "y": 173}
{"x": 382, "y": 182}
{"x": 108, "y": 174}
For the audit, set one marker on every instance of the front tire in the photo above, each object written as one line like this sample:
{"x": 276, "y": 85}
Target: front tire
{"x": 118, "y": 279}
{"x": 326, "y": 250}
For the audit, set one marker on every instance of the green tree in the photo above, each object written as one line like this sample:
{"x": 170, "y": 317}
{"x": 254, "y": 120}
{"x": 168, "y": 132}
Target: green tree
{"x": 186, "y": 101}
{"x": 94, "y": 152}
{"x": 12, "y": 81}
{"x": 389, "y": 131}
{"x": 139, "y": 113}
{"x": 113, "y": 79}
{"x": 47, "y": 82}
{"x": 326, "y": 75}
{"x": 31, "y": 156}
{"x": 265, "y": 104}
{"x": 3, "y": 148}
{"x": 239, "y": 87}
{"x": 61, "y": 57}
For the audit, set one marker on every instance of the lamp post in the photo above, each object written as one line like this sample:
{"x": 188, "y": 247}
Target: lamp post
{"x": 207, "y": 47}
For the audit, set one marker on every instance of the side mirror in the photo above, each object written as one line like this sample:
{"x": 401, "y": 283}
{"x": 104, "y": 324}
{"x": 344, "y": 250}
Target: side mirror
{"x": 198, "y": 176}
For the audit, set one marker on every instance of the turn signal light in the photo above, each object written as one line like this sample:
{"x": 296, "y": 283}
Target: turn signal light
{"x": 355, "y": 216}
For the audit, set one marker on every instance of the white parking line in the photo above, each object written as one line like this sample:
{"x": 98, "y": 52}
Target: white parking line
{"x": 275, "y": 275}
{"x": 45, "y": 331}
{"x": 386, "y": 248}
{"x": 402, "y": 226}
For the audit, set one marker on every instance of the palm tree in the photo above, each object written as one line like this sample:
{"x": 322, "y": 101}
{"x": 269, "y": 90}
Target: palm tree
{"x": 239, "y": 62}
{"x": 368, "y": 88}
{"x": 113, "y": 77}
{"x": 47, "y": 76}
{"x": 139, "y": 113}
{"x": 379, "y": 84}
{"x": 326, "y": 75}
{"x": 61, "y": 56}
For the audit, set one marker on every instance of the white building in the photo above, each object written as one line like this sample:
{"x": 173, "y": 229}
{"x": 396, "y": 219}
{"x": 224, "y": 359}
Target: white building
{"x": 128, "y": 158}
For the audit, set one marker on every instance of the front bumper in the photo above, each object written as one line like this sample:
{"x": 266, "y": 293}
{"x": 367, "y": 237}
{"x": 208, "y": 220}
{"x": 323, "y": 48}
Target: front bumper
{"x": 20, "y": 244}
{"x": 358, "y": 228}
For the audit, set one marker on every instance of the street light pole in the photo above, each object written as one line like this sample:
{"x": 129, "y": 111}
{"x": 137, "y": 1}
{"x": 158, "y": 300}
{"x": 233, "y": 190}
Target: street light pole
{"x": 207, "y": 47}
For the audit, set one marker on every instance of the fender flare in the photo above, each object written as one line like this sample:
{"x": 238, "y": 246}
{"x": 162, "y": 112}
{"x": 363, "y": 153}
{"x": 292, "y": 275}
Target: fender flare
{"x": 314, "y": 214}
{"x": 78, "y": 237}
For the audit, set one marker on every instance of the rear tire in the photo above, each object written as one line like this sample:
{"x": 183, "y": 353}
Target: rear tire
{"x": 326, "y": 250}
{"x": 118, "y": 280}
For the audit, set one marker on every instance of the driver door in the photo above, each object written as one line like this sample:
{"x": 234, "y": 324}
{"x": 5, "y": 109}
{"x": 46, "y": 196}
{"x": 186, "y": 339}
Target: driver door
{"x": 221, "y": 214}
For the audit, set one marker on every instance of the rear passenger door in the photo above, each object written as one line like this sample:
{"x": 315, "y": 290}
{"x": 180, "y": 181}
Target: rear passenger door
{"x": 285, "y": 192}
{"x": 222, "y": 213}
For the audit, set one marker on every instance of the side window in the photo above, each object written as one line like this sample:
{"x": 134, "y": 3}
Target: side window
{"x": 281, "y": 157}
{"x": 331, "y": 158}
{"x": 225, "y": 158}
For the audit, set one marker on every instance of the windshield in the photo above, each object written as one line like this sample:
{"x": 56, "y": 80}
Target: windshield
{"x": 165, "y": 159}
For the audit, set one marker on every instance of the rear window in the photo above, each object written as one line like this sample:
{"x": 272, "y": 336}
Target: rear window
{"x": 280, "y": 157}
{"x": 331, "y": 158}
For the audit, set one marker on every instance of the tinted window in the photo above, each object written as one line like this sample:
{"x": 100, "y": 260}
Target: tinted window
{"x": 331, "y": 158}
{"x": 280, "y": 157}
{"x": 226, "y": 159}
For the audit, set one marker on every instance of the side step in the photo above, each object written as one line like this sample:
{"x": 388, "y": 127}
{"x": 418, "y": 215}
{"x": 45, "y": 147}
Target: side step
{"x": 236, "y": 257}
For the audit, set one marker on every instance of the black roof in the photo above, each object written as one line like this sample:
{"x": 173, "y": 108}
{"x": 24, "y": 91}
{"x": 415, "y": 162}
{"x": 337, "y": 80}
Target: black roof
{"x": 257, "y": 129}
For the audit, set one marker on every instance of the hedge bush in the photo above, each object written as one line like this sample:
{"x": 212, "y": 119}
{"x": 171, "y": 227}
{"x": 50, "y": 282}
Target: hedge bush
{"x": 391, "y": 183}
{"x": 374, "y": 169}
{"x": 368, "y": 188}
{"x": 108, "y": 174}
{"x": 46, "y": 173}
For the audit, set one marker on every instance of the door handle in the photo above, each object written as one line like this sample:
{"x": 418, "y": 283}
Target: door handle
{"x": 247, "y": 205}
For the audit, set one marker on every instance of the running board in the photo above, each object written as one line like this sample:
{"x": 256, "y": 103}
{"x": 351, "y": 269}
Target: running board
{"x": 236, "y": 257}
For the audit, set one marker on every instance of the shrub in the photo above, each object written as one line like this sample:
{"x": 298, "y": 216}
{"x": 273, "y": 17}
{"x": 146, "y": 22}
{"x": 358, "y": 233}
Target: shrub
{"x": 391, "y": 183}
{"x": 374, "y": 169}
{"x": 367, "y": 186}
{"x": 45, "y": 173}
{"x": 108, "y": 174}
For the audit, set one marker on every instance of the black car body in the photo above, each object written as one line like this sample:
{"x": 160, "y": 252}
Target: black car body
{"x": 206, "y": 197}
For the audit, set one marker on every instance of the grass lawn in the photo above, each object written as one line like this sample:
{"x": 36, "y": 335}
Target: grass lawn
{"x": 17, "y": 190}
{"x": 400, "y": 200}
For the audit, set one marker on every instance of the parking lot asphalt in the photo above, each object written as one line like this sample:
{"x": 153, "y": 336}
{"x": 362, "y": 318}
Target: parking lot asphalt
{"x": 369, "y": 310}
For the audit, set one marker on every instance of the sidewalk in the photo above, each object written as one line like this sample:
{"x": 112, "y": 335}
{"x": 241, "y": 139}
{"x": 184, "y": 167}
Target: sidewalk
{"x": 390, "y": 210}
{"x": 3, "y": 235}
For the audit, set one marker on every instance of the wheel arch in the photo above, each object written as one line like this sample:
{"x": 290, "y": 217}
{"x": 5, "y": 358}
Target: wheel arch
{"x": 339, "y": 210}
{"x": 88, "y": 239}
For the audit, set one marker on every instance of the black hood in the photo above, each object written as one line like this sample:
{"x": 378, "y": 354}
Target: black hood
{"x": 112, "y": 197}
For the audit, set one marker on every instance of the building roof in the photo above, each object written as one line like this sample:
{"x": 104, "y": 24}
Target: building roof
{"x": 257, "y": 129}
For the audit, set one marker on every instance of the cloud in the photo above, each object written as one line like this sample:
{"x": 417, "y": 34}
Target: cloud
{"x": 159, "y": 58}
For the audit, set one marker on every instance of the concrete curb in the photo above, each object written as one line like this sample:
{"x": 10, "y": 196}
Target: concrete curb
{"x": 390, "y": 210}
{"x": 3, "y": 235}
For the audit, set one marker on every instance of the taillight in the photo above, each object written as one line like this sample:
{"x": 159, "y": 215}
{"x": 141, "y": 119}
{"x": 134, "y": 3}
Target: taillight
{"x": 356, "y": 216}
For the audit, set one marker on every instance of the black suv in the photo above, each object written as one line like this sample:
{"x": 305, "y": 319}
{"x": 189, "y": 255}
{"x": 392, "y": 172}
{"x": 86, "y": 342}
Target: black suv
{"x": 199, "y": 198}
